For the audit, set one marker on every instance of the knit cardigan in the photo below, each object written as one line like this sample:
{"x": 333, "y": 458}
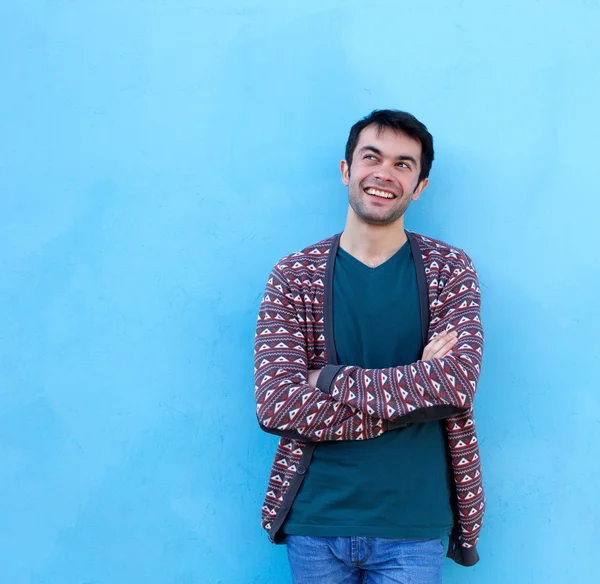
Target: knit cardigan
{"x": 295, "y": 334}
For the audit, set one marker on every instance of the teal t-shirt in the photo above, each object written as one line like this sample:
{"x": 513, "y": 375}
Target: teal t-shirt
{"x": 397, "y": 485}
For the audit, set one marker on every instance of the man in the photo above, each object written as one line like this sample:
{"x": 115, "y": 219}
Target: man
{"x": 367, "y": 356}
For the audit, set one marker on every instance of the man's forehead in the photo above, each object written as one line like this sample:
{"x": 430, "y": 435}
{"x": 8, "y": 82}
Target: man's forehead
{"x": 385, "y": 134}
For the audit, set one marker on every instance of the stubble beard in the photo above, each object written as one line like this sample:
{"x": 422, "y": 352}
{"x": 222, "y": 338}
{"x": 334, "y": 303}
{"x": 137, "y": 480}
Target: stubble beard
{"x": 381, "y": 219}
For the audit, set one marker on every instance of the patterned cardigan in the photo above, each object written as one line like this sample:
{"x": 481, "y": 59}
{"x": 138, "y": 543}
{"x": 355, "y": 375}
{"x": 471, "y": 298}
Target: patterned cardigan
{"x": 295, "y": 334}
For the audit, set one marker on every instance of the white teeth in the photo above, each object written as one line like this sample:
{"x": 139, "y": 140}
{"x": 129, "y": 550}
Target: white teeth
{"x": 379, "y": 193}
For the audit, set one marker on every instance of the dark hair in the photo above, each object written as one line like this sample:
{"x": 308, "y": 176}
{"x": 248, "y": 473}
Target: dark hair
{"x": 399, "y": 122}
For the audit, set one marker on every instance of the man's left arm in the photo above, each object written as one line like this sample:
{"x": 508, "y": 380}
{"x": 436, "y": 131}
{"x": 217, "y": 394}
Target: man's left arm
{"x": 423, "y": 390}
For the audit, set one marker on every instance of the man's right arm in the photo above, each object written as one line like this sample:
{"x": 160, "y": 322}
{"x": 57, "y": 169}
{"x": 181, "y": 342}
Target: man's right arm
{"x": 286, "y": 404}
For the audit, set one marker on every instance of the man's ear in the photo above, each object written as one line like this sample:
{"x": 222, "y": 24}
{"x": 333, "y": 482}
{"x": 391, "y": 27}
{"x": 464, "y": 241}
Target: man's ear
{"x": 345, "y": 170}
{"x": 420, "y": 188}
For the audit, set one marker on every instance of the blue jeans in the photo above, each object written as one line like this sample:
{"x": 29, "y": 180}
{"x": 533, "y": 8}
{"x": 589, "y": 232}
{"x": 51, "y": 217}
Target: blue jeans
{"x": 364, "y": 560}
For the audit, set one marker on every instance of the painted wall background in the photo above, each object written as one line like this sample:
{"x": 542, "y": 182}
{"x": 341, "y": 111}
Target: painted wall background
{"x": 157, "y": 158}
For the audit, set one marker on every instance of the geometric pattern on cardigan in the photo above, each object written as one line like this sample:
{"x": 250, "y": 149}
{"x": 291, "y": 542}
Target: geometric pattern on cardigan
{"x": 290, "y": 340}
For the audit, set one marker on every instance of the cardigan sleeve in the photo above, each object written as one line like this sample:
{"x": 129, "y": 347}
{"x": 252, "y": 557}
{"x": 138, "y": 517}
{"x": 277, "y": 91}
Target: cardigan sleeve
{"x": 286, "y": 404}
{"x": 424, "y": 390}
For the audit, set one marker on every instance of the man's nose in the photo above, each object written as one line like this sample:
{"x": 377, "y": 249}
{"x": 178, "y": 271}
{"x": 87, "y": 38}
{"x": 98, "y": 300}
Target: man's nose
{"x": 383, "y": 173}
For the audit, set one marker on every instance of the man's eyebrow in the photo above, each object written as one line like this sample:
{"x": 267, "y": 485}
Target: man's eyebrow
{"x": 407, "y": 157}
{"x": 376, "y": 150}
{"x": 371, "y": 148}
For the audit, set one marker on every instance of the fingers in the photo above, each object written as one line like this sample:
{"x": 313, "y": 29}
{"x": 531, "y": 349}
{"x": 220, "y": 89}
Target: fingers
{"x": 440, "y": 346}
{"x": 445, "y": 349}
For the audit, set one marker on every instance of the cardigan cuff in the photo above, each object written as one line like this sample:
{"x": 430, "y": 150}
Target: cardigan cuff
{"x": 327, "y": 377}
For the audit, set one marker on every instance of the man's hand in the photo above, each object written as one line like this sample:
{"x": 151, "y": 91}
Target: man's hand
{"x": 313, "y": 375}
{"x": 440, "y": 346}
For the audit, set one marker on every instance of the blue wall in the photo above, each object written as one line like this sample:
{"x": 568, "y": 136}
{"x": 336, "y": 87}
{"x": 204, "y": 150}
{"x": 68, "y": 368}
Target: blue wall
{"x": 157, "y": 157}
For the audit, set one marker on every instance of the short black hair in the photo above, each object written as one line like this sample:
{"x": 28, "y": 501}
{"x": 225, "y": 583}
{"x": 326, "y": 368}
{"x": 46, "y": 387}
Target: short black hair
{"x": 400, "y": 122}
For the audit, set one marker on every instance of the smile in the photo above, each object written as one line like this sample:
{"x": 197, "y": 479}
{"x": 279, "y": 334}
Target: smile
{"x": 378, "y": 193}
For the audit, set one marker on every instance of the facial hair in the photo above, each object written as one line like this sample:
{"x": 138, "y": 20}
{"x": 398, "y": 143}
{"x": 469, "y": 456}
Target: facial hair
{"x": 378, "y": 219}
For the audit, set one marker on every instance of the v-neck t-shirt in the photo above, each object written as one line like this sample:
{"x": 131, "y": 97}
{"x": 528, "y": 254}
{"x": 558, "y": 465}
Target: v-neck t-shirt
{"x": 396, "y": 485}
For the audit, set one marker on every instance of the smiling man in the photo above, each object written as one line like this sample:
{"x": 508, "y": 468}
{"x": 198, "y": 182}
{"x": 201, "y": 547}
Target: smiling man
{"x": 367, "y": 357}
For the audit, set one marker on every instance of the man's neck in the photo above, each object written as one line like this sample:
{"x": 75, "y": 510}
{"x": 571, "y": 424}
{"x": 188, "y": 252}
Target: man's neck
{"x": 372, "y": 244}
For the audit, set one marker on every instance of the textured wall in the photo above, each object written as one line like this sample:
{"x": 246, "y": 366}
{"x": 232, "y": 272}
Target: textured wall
{"x": 157, "y": 157}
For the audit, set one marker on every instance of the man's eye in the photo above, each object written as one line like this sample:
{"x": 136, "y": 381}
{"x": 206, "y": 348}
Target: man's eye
{"x": 403, "y": 165}
{"x": 370, "y": 157}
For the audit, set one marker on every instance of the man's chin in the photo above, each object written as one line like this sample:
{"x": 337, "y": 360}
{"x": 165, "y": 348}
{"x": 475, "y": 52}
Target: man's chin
{"x": 377, "y": 217}
{"x": 379, "y": 220}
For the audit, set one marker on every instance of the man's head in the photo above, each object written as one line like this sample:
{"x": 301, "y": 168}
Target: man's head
{"x": 388, "y": 159}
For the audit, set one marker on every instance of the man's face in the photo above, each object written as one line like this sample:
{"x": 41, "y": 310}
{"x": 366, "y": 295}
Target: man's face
{"x": 383, "y": 179}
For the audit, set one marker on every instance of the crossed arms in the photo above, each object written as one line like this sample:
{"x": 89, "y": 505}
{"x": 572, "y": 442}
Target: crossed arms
{"x": 351, "y": 403}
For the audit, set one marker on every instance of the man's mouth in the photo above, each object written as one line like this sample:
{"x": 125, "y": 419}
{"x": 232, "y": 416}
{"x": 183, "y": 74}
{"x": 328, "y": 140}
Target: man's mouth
{"x": 379, "y": 193}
